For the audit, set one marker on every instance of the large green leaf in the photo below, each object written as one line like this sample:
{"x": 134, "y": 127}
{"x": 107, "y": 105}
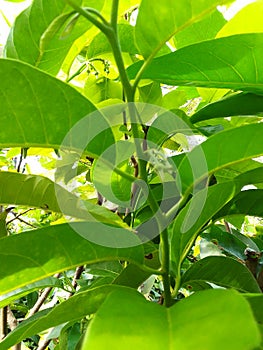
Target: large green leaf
{"x": 222, "y": 271}
{"x": 75, "y": 308}
{"x": 41, "y": 192}
{"x": 43, "y": 34}
{"x": 190, "y": 220}
{"x": 233, "y": 62}
{"x": 220, "y": 151}
{"x": 37, "y": 254}
{"x": 202, "y": 321}
{"x": 234, "y": 105}
{"x": 167, "y": 18}
{"x": 38, "y": 110}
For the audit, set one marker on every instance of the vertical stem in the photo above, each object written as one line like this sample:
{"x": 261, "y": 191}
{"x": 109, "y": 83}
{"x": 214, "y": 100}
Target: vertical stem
{"x": 165, "y": 257}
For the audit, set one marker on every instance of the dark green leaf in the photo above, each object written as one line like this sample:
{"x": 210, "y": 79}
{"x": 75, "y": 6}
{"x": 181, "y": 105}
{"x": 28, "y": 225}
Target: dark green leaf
{"x": 245, "y": 203}
{"x": 238, "y": 104}
{"x": 222, "y": 271}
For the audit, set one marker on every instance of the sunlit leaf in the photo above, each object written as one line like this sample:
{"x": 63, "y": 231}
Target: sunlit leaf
{"x": 61, "y": 247}
{"x": 175, "y": 324}
{"x": 233, "y": 62}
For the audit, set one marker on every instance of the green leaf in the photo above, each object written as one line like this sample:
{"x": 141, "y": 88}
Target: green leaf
{"x": 219, "y": 310}
{"x": 6, "y": 299}
{"x": 132, "y": 276}
{"x": 39, "y": 35}
{"x": 75, "y": 308}
{"x": 233, "y": 62}
{"x": 167, "y": 18}
{"x": 233, "y": 243}
{"x": 101, "y": 46}
{"x": 114, "y": 187}
{"x": 220, "y": 151}
{"x": 45, "y": 110}
{"x": 255, "y": 301}
{"x": 190, "y": 220}
{"x": 61, "y": 247}
{"x": 205, "y": 29}
{"x": 222, "y": 271}
{"x": 234, "y": 105}
{"x": 247, "y": 202}
{"x": 249, "y": 15}
{"x": 101, "y": 89}
{"x": 44, "y": 193}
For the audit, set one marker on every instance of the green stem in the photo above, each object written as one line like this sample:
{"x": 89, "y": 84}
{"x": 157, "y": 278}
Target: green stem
{"x": 103, "y": 26}
{"x": 177, "y": 282}
{"x": 165, "y": 256}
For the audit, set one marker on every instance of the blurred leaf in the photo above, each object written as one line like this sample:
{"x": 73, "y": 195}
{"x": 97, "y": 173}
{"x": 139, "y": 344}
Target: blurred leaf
{"x": 222, "y": 271}
{"x": 233, "y": 243}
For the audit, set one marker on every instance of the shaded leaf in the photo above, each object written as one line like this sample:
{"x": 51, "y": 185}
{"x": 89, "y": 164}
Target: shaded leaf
{"x": 222, "y": 271}
{"x": 247, "y": 202}
{"x": 238, "y": 104}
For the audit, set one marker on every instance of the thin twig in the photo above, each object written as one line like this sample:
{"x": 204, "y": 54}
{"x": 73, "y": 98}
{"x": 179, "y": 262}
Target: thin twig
{"x": 44, "y": 345}
{"x": 17, "y": 216}
{"x": 77, "y": 275}
{"x": 41, "y": 299}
